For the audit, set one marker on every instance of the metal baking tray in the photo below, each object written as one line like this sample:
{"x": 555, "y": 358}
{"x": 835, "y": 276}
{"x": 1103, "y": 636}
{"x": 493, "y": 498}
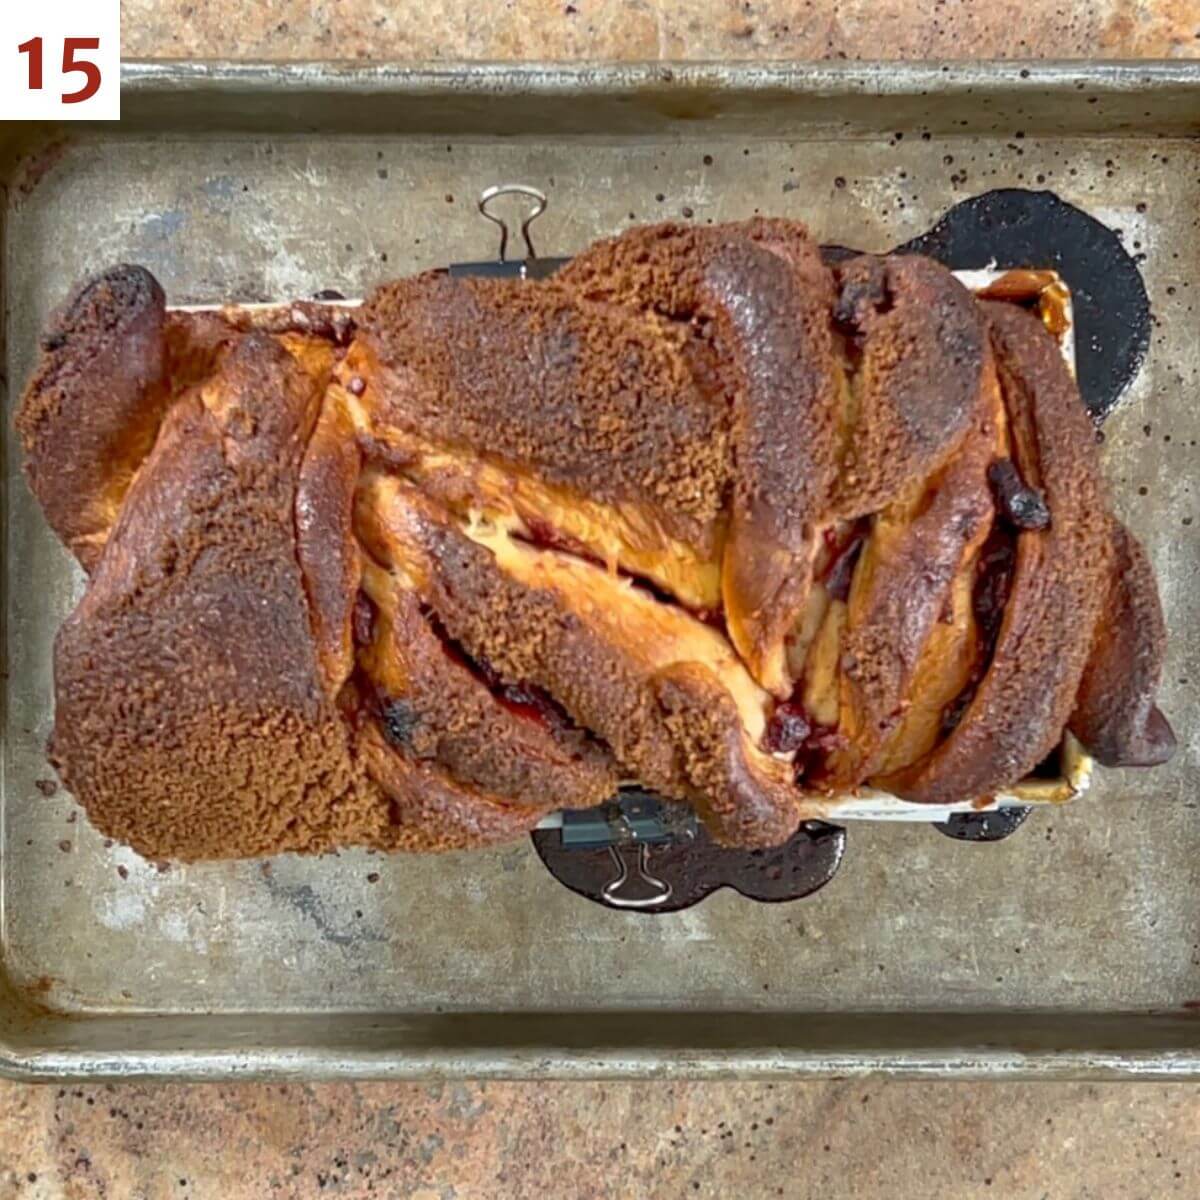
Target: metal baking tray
{"x": 1071, "y": 949}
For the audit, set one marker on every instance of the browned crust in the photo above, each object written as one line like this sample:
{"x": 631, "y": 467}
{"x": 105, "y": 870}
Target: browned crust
{"x": 918, "y": 430}
{"x": 782, "y": 450}
{"x": 437, "y": 710}
{"x": 523, "y": 633}
{"x": 92, "y": 407}
{"x": 588, "y": 396}
{"x": 195, "y": 682}
{"x": 429, "y": 810}
{"x": 550, "y": 636}
{"x": 742, "y": 803}
{"x": 901, "y": 590}
{"x": 1115, "y": 715}
{"x": 918, "y": 360}
{"x": 527, "y": 636}
{"x": 1022, "y": 704}
{"x": 190, "y": 718}
{"x": 624, "y": 536}
{"x": 759, "y": 316}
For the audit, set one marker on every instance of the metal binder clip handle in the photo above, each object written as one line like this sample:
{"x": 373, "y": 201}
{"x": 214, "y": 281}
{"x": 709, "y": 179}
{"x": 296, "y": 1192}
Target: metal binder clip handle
{"x": 660, "y": 890}
{"x": 513, "y": 189}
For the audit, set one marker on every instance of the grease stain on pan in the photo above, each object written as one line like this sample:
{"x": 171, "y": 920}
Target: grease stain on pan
{"x": 36, "y": 166}
{"x": 311, "y": 905}
{"x": 163, "y": 225}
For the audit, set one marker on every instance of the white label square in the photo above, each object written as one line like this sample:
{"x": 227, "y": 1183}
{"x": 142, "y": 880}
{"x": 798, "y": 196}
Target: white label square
{"x": 60, "y": 60}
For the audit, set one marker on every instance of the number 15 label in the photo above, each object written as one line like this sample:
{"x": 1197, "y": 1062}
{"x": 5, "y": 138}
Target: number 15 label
{"x": 60, "y": 60}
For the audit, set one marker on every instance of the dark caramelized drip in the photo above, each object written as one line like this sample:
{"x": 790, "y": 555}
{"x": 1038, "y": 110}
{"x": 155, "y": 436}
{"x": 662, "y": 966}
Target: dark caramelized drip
{"x": 399, "y": 722}
{"x": 1015, "y": 228}
{"x": 993, "y": 582}
{"x": 844, "y": 554}
{"x": 362, "y": 621}
{"x": 1022, "y": 506}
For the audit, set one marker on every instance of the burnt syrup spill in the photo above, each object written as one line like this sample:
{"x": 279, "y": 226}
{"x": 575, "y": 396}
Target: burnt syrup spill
{"x": 1010, "y": 229}
{"x": 984, "y": 826}
{"x": 1016, "y": 228}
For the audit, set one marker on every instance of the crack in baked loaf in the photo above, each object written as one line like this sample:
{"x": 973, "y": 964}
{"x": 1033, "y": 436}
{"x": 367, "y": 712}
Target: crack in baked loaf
{"x": 701, "y": 510}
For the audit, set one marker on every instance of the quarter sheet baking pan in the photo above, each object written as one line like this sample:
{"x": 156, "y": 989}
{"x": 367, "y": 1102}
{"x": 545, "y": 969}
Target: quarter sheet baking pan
{"x": 1073, "y": 948}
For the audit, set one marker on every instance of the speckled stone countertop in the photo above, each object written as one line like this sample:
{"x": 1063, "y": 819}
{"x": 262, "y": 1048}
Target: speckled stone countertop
{"x": 956, "y": 1141}
{"x": 652, "y": 29}
{"x": 602, "y": 1141}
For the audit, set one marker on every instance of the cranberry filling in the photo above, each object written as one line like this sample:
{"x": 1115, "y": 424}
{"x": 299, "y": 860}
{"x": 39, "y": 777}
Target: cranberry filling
{"x": 399, "y": 720}
{"x": 993, "y": 583}
{"x": 362, "y": 621}
{"x": 820, "y": 744}
{"x": 524, "y": 699}
{"x": 788, "y": 729}
{"x": 543, "y": 536}
{"x": 791, "y": 728}
{"x": 1022, "y": 506}
{"x": 530, "y": 702}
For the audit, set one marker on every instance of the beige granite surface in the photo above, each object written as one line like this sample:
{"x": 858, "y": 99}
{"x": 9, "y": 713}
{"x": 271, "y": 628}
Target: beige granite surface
{"x": 836, "y": 1139}
{"x": 602, "y": 1141}
{"x": 648, "y": 29}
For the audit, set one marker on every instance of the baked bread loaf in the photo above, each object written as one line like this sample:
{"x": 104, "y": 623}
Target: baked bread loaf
{"x": 701, "y": 510}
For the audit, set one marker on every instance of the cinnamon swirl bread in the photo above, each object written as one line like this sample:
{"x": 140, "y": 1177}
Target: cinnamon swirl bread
{"x": 700, "y": 510}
